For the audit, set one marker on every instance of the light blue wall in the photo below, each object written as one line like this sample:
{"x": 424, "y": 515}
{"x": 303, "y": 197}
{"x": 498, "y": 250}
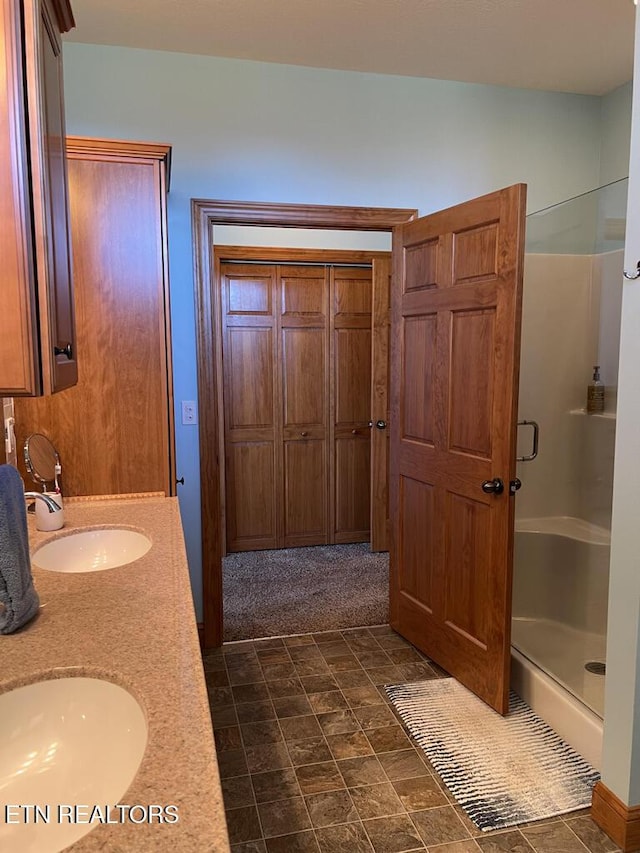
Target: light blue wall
{"x": 616, "y": 134}
{"x": 265, "y": 132}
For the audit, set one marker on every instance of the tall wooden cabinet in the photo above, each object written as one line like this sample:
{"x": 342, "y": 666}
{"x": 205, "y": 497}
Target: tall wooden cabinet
{"x": 37, "y": 327}
{"x": 297, "y": 383}
{"x": 114, "y": 429}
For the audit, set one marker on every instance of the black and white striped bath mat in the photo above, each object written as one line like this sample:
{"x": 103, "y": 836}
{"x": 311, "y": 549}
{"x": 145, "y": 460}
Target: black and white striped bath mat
{"x": 502, "y": 770}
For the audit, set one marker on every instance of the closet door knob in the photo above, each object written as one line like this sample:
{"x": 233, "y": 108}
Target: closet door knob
{"x": 304, "y": 434}
{"x": 64, "y": 350}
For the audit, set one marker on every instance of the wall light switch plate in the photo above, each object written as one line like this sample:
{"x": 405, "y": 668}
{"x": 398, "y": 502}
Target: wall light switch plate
{"x": 189, "y": 412}
{"x": 9, "y": 438}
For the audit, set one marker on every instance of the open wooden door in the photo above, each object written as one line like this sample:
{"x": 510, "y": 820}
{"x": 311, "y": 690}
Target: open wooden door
{"x": 456, "y": 307}
{"x": 380, "y": 320}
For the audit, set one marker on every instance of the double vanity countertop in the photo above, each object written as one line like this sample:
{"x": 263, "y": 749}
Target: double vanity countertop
{"x": 133, "y": 625}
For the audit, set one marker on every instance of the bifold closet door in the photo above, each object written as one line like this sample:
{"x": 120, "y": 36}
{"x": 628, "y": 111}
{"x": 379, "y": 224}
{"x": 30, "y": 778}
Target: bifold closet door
{"x": 276, "y": 380}
{"x": 351, "y": 296}
{"x": 297, "y": 400}
{"x": 303, "y": 293}
{"x": 251, "y": 412}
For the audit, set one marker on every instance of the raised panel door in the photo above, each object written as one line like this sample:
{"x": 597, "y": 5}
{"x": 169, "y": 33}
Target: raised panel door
{"x": 252, "y": 417}
{"x": 455, "y": 354}
{"x": 351, "y": 331}
{"x": 304, "y": 365}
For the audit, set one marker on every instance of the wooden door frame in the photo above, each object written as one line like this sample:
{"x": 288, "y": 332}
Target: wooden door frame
{"x": 205, "y": 214}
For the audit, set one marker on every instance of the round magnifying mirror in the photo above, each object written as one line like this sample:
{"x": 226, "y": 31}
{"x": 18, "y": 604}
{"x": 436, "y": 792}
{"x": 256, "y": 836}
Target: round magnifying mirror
{"x": 41, "y": 458}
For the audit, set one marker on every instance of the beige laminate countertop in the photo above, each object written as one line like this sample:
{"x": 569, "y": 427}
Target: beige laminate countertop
{"x": 133, "y": 625}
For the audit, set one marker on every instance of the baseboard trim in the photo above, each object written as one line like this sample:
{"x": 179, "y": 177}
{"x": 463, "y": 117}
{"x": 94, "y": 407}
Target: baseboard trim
{"x": 619, "y": 821}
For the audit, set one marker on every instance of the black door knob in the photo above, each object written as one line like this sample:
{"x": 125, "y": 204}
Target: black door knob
{"x": 381, "y": 424}
{"x": 493, "y": 487}
{"x": 514, "y": 485}
{"x": 64, "y": 350}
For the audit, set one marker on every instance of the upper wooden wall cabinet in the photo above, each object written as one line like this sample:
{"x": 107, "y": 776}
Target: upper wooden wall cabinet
{"x": 37, "y": 328}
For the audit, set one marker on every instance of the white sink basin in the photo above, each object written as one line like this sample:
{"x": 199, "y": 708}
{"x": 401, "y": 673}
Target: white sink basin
{"x": 91, "y": 550}
{"x": 70, "y": 742}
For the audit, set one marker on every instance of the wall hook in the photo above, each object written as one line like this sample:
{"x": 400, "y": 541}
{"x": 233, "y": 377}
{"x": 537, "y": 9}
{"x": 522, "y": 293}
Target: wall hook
{"x": 633, "y": 276}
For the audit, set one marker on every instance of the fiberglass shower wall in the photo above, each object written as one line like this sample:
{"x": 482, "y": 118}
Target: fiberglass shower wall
{"x": 570, "y": 322}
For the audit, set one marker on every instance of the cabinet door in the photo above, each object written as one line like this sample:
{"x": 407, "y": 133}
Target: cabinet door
{"x": 51, "y": 206}
{"x": 37, "y": 297}
{"x": 19, "y": 357}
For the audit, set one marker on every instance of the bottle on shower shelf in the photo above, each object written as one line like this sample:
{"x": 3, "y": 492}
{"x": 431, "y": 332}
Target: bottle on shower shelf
{"x": 595, "y": 393}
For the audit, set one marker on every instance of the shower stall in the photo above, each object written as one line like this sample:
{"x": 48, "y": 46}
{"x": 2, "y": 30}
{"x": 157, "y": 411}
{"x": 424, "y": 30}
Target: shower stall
{"x": 570, "y": 323}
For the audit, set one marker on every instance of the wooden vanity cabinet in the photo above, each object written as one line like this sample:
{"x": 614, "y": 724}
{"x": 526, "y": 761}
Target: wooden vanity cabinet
{"x": 114, "y": 429}
{"x": 37, "y": 325}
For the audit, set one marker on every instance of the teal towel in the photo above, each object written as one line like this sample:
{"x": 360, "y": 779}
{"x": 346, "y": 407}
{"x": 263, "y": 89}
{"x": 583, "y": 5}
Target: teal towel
{"x": 17, "y": 592}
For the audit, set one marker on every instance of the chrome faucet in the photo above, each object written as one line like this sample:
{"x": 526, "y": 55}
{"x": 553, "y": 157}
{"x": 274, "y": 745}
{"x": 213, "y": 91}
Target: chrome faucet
{"x": 51, "y": 504}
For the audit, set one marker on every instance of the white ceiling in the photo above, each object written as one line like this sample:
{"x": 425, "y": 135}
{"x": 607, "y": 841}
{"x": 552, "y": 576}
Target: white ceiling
{"x": 583, "y": 46}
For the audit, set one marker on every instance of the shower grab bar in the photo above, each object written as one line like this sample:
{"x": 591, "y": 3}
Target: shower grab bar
{"x": 534, "y": 449}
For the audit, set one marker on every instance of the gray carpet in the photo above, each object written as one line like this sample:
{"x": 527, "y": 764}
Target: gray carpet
{"x": 302, "y": 590}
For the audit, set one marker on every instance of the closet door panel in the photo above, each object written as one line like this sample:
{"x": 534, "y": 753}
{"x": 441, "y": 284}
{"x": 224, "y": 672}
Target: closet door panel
{"x": 303, "y": 377}
{"x": 303, "y": 293}
{"x": 250, "y": 377}
{"x": 251, "y": 391}
{"x": 353, "y": 375}
{"x": 305, "y": 509}
{"x": 352, "y": 292}
{"x": 249, "y": 294}
{"x": 351, "y": 298}
{"x": 353, "y": 460}
{"x": 251, "y": 513}
{"x": 304, "y": 345}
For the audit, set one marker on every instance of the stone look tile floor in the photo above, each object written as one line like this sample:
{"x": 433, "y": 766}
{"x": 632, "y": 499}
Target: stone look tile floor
{"x": 313, "y": 758}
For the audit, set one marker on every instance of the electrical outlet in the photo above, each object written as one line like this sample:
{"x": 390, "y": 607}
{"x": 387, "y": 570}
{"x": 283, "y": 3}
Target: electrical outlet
{"x": 189, "y": 412}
